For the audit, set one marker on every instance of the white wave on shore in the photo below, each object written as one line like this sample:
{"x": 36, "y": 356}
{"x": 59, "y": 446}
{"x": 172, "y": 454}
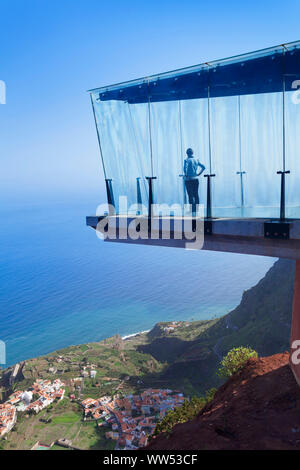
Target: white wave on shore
{"x": 134, "y": 334}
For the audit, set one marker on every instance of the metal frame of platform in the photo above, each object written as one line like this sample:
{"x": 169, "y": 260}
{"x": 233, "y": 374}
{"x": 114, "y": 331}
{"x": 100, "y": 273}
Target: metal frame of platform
{"x": 264, "y": 237}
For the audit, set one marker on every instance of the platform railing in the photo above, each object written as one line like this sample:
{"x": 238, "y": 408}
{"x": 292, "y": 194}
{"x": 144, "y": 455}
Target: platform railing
{"x": 209, "y": 206}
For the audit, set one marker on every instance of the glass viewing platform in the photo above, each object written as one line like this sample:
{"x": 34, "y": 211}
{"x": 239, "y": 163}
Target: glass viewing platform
{"x": 241, "y": 117}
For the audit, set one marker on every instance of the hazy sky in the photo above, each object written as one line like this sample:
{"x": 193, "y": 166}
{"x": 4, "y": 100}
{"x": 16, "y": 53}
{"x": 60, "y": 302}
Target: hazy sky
{"x": 52, "y": 51}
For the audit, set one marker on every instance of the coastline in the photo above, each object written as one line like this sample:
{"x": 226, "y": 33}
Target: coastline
{"x": 124, "y": 338}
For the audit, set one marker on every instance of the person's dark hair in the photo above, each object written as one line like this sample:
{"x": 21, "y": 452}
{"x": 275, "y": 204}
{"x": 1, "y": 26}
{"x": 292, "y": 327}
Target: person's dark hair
{"x": 189, "y": 151}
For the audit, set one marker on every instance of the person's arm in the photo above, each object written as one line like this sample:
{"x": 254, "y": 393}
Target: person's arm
{"x": 184, "y": 167}
{"x": 202, "y": 169}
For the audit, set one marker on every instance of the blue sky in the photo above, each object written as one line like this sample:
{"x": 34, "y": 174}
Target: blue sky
{"x": 51, "y": 52}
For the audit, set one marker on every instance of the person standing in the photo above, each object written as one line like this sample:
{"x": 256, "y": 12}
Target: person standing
{"x": 192, "y": 169}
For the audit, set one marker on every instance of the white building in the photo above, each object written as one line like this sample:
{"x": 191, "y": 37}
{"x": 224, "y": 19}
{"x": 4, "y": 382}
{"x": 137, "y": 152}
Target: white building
{"x": 26, "y": 397}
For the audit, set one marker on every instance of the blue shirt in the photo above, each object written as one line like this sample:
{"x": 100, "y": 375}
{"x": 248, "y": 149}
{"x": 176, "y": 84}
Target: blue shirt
{"x": 196, "y": 163}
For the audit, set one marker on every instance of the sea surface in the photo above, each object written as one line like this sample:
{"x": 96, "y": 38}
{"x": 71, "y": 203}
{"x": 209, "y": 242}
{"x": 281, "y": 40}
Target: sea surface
{"x": 61, "y": 285}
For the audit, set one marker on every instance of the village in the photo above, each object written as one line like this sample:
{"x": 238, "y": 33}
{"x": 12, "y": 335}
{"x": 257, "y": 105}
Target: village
{"x": 38, "y": 397}
{"x": 130, "y": 419}
{"x": 133, "y": 418}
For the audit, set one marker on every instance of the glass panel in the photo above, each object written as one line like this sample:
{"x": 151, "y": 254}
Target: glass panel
{"x": 124, "y": 138}
{"x": 139, "y": 119}
{"x": 292, "y": 127}
{"x": 292, "y": 133}
{"x": 166, "y": 152}
{"x": 262, "y": 155}
{"x": 225, "y": 157}
{"x": 246, "y": 137}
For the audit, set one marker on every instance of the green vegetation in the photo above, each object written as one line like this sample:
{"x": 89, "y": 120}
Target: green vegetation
{"x": 56, "y": 447}
{"x": 65, "y": 418}
{"x": 235, "y": 361}
{"x": 30, "y": 429}
{"x": 66, "y": 423}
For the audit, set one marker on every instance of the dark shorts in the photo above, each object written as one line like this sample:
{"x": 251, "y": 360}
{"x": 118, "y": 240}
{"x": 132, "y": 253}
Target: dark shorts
{"x": 192, "y": 188}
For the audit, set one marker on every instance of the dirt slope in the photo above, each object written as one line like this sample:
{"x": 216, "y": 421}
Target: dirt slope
{"x": 258, "y": 408}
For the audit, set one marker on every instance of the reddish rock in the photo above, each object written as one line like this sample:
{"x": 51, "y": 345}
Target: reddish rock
{"x": 258, "y": 408}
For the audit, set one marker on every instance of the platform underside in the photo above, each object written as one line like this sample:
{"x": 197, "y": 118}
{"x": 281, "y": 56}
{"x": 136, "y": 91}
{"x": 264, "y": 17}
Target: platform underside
{"x": 265, "y": 237}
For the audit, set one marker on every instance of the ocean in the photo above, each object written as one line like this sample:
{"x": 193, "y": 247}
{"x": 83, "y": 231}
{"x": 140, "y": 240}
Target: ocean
{"x": 61, "y": 285}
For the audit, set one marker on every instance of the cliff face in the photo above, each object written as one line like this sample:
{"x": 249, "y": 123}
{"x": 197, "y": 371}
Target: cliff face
{"x": 262, "y": 321}
{"x": 258, "y": 408}
{"x": 263, "y": 318}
